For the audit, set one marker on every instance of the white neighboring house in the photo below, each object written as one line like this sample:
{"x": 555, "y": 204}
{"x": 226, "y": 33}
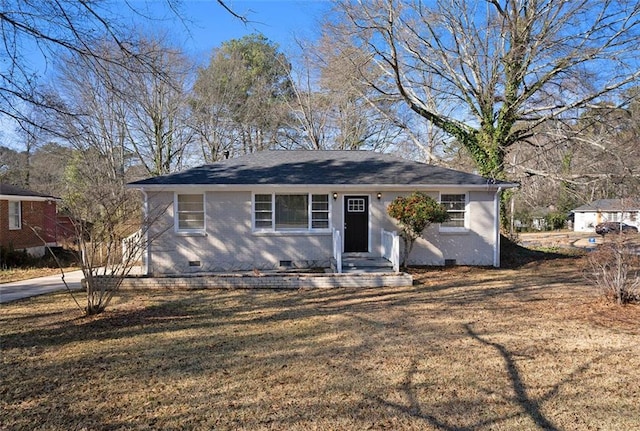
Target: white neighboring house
{"x": 275, "y": 209}
{"x": 621, "y": 210}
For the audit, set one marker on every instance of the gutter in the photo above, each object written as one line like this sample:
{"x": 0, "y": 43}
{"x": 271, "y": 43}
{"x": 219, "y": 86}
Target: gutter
{"x": 337, "y": 187}
{"x": 25, "y": 198}
{"x": 146, "y": 252}
{"x": 496, "y": 247}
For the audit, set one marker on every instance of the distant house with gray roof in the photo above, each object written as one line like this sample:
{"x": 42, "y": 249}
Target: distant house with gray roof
{"x": 602, "y": 210}
{"x": 276, "y": 209}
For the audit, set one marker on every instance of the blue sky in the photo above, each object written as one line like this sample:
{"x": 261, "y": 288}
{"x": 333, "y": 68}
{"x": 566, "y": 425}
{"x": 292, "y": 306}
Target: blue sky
{"x": 281, "y": 21}
{"x": 203, "y": 25}
{"x": 206, "y": 25}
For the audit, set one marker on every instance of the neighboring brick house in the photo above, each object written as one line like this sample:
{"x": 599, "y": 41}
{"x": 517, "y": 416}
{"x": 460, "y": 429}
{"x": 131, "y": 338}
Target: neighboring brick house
{"x": 28, "y": 220}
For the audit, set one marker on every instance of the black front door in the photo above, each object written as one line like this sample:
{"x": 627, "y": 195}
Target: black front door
{"x": 356, "y": 224}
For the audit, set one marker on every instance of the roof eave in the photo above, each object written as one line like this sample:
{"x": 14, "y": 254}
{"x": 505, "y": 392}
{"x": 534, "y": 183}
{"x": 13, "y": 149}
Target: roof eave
{"x": 233, "y": 187}
{"x": 29, "y": 198}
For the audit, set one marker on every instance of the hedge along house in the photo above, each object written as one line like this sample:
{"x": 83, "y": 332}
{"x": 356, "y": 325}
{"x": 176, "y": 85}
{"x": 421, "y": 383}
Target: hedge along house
{"x": 300, "y": 209}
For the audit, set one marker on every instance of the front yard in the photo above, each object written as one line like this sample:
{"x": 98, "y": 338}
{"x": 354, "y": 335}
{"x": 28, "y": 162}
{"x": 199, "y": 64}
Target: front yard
{"x": 463, "y": 349}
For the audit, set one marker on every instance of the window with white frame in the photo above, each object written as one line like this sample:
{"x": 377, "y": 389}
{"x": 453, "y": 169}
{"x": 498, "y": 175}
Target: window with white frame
{"x": 15, "y": 215}
{"x": 190, "y": 212}
{"x": 356, "y": 205}
{"x": 263, "y": 211}
{"x": 456, "y": 205}
{"x": 291, "y": 212}
{"x": 319, "y": 211}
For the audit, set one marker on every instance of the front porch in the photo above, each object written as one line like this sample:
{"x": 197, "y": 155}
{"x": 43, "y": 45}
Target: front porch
{"x": 385, "y": 260}
{"x": 388, "y": 259}
{"x": 364, "y": 263}
{"x": 365, "y": 270}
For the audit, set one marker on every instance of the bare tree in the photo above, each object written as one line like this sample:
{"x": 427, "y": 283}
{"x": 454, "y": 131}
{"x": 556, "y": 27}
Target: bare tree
{"x": 355, "y": 119}
{"x": 111, "y": 229}
{"x": 594, "y": 157}
{"x": 156, "y": 100}
{"x": 11, "y": 166}
{"x": 129, "y": 115}
{"x": 103, "y": 60}
{"x": 309, "y": 107}
{"x": 507, "y": 67}
{"x": 93, "y": 117}
{"x": 50, "y": 28}
{"x": 126, "y": 123}
{"x": 333, "y": 108}
{"x": 48, "y": 164}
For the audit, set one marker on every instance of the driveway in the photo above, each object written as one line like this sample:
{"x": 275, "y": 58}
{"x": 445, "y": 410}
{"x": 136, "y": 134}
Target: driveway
{"x": 39, "y": 286}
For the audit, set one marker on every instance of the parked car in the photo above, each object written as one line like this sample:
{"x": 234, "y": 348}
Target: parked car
{"x": 614, "y": 227}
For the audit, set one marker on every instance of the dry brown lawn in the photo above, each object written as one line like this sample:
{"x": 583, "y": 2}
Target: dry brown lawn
{"x": 530, "y": 348}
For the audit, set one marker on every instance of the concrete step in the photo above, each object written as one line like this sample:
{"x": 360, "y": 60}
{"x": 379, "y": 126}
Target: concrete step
{"x": 366, "y": 264}
{"x": 367, "y": 270}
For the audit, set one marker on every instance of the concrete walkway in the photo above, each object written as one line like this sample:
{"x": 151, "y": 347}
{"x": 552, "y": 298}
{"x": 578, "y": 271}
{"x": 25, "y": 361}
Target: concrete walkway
{"x": 39, "y": 286}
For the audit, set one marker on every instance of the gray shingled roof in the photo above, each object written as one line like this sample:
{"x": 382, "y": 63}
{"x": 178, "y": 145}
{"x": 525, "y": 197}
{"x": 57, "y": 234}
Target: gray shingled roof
{"x": 628, "y": 204}
{"x": 300, "y": 167}
{"x": 10, "y": 190}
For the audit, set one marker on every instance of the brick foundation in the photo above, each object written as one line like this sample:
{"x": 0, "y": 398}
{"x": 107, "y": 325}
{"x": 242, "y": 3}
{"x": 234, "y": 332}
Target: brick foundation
{"x": 267, "y": 281}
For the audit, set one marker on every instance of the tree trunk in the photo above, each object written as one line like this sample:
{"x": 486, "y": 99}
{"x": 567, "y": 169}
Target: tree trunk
{"x": 408, "y": 246}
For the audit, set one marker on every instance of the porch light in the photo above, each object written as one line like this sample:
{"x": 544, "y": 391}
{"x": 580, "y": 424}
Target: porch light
{"x": 379, "y": 195}
{"x": 335, "y": 196}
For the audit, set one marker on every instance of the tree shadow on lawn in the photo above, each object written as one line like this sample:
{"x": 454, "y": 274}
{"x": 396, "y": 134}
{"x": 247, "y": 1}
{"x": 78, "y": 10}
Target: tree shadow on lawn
{"x": 238, "y": 343}
{"x": 528, "y": 405}
{"x": 115, "y": 323}
{"x": 451, "y": 286}
{"x": 483, "y": 285}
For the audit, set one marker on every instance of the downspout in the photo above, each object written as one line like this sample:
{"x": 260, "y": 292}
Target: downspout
{"x": 496, "y": 247}
{"x": 146, "y": 252}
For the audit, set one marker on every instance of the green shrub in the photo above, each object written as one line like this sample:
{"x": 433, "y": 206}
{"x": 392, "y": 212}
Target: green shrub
{"x": 414, "y": 213}
{"x": 556, "y": 220}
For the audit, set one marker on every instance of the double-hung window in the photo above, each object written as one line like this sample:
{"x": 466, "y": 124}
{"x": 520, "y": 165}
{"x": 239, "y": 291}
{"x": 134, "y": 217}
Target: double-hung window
{"x": 291, "y": 212}
{"x": 15, "y": 215}
{"x": 456, "y": 205}
{"x": 189, "y": 212}
{"x": 319, "y": 211}
{"x": 263, "y": 211}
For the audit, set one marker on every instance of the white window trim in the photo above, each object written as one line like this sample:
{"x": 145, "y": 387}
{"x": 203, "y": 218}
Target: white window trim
{"x": 253, "y": 213}
{"x": 310, "y": 212}
{"x": 11, "y": 218}
{"x": 176, "y": 223}
{"x": 456, "y": 229}
{"x": 273, "y": 231}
